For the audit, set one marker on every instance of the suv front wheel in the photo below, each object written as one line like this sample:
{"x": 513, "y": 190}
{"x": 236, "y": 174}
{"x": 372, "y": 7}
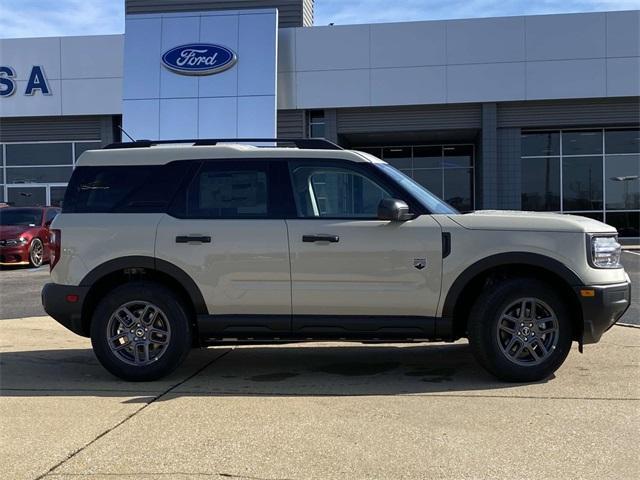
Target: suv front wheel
{"x": 140, "y": 331}
{"x": 520, "y": 330}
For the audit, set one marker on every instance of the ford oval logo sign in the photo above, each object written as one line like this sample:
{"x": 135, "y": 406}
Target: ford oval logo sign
{"x": 199, "y": 59}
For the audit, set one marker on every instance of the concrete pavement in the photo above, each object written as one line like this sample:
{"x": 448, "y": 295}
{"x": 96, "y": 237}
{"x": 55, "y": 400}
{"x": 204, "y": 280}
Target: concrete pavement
{"x": 314, "y": 411}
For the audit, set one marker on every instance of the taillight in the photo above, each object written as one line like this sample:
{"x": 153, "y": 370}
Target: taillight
{"x": 55, "y": 240}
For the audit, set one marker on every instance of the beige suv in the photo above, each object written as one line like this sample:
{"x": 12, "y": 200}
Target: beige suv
{"x": 161, "y": 246}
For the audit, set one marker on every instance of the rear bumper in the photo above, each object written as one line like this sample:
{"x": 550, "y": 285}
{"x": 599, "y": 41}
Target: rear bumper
{"x": 601, "y": 311}
{"x": 65, "y": 312}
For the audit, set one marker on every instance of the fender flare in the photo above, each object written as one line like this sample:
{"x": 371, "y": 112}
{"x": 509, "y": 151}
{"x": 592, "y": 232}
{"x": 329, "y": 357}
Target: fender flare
{"x": 504, "y": 259}
{"x": 149, "y": 263}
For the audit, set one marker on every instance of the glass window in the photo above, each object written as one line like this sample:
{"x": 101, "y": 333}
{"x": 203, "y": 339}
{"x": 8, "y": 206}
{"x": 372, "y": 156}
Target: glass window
{"x": 399, "y": 157}
{"x": 316, "y": 124}
{"x": 583, "y": 142}
{"x": 623, "y": 182}
{"x": 431, "y": 179}
{"x": 39, "y": 154}
{"x": 228, "y": 191}
{"x": 23, "y": 216}
{"x": 458, "y": 156}
{"x": 56, "y": 195}
{"x": 582, "y": 183}
{"x": 627, "y": 223}
{"x": 427, "y": 157}
{"x": 82, "y": 147}
{"x": 540, "y": 144}
{"x": 336, "y": 193}
{"x": 458, "y": 188}
{"x": 424, "y": 196}
{"x": 26, "y": 196}
{"x": 622, "y": 141}
{"x": 39, "y": 174}
{"x": 540, "y": 179}
{"x": 122, "y": 188}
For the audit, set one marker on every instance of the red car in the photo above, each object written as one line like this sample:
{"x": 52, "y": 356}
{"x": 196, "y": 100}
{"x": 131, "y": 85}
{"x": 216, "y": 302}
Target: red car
{"x": 24, "y": 235}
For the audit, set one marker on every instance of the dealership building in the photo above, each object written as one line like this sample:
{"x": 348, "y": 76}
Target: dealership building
{"x": 522, "y": 113}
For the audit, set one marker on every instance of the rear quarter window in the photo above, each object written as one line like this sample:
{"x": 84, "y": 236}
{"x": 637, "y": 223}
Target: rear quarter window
{"x": 124, "y": 189}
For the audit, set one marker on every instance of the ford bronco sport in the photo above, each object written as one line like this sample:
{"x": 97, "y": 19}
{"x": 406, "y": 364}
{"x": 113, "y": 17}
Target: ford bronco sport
{"x": 162, "y": 246}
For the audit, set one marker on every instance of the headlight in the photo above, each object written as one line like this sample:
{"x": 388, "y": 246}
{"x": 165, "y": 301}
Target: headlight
{"x": 14, "y": 242}
{"x": 605, "y": 251}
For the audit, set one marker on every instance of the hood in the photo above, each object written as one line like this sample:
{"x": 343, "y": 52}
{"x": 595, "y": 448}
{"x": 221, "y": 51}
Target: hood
{"x": 530, "y": 221}
{"x": 13, "y": 231}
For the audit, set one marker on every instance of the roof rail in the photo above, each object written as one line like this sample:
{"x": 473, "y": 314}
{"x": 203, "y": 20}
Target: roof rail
{"x": 309, "y": 143}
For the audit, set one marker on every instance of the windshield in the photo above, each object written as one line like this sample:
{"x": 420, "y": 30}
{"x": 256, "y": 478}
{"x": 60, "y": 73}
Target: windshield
{"x": 26, "y": 217}
{"x": 424, "y": 196}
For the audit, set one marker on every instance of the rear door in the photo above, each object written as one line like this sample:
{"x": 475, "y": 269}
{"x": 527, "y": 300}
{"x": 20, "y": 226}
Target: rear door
{"x": 350, "y": 271}
{"x": 227, "y": 232}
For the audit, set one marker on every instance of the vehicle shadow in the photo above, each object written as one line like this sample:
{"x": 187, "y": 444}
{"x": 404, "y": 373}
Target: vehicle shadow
{"x": 285, "y": 370}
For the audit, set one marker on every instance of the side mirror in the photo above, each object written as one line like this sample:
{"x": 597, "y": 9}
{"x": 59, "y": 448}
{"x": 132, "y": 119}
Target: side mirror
{"x": 394, "y": 210}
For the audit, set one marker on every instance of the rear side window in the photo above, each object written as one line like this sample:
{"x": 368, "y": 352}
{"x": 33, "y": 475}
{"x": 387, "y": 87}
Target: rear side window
{"x": 124, "y": 189}
{"x": 227, "y": 190}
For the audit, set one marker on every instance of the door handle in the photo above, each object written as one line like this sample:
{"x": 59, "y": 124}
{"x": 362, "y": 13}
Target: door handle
{"x": 321, "y": 238}
{"x": 193, "y": 239}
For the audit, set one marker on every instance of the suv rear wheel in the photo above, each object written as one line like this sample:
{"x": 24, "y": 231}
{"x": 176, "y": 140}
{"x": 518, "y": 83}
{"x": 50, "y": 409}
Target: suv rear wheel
{"x": 520, "y": 331}
{"x": 140, "y": 331}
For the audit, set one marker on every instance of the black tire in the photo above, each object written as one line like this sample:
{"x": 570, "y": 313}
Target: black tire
{"x": 173, "y": 318}
{"x": 489, "y": 342}
{"x": 36, "y": 259}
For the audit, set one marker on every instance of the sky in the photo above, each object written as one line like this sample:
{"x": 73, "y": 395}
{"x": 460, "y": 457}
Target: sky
{"x": 43, "y": 18}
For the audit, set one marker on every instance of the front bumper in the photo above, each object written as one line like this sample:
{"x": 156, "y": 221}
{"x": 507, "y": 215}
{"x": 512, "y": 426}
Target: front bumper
{"x": 18, "y": 255}
{"x": 56, "y": 303}
{"x": 602, "y": 310}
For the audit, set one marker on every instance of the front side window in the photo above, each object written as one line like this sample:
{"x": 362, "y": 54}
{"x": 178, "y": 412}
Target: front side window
{"x": 335, "y": 192}
{"x": 223, "y": 190}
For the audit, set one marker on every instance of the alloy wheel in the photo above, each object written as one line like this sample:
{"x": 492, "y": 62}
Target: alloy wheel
{"x": 36, "y": 253}
{"x": 138, "y": 333}
{"x": 527, "y": 331}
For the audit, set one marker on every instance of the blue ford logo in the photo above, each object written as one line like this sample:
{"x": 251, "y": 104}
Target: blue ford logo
{"x": 199, "y": 59}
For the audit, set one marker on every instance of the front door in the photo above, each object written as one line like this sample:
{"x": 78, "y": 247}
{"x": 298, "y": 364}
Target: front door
{"x": 225, "y": 234}
{"x": 350, "y": 271}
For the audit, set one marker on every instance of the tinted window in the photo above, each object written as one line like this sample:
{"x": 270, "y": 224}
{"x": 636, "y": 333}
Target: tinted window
{"x": 229, "y": 190}
{"x": 540, "y": 144}
{"x": 39, "y": 154}
{"x": 582, "y": 183}
{"x": 38, "y": 174}
{"x": 20, "y": 216}
{"x": 51, "y": 214}
{"x": 541, "y": 184}
{"x": 622, "y": 182}
{"x": 622, "y": 141}
{"x": 124, "y": 189}
{"x": 335, "y": 192}
{"x": 582, "y": 142}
